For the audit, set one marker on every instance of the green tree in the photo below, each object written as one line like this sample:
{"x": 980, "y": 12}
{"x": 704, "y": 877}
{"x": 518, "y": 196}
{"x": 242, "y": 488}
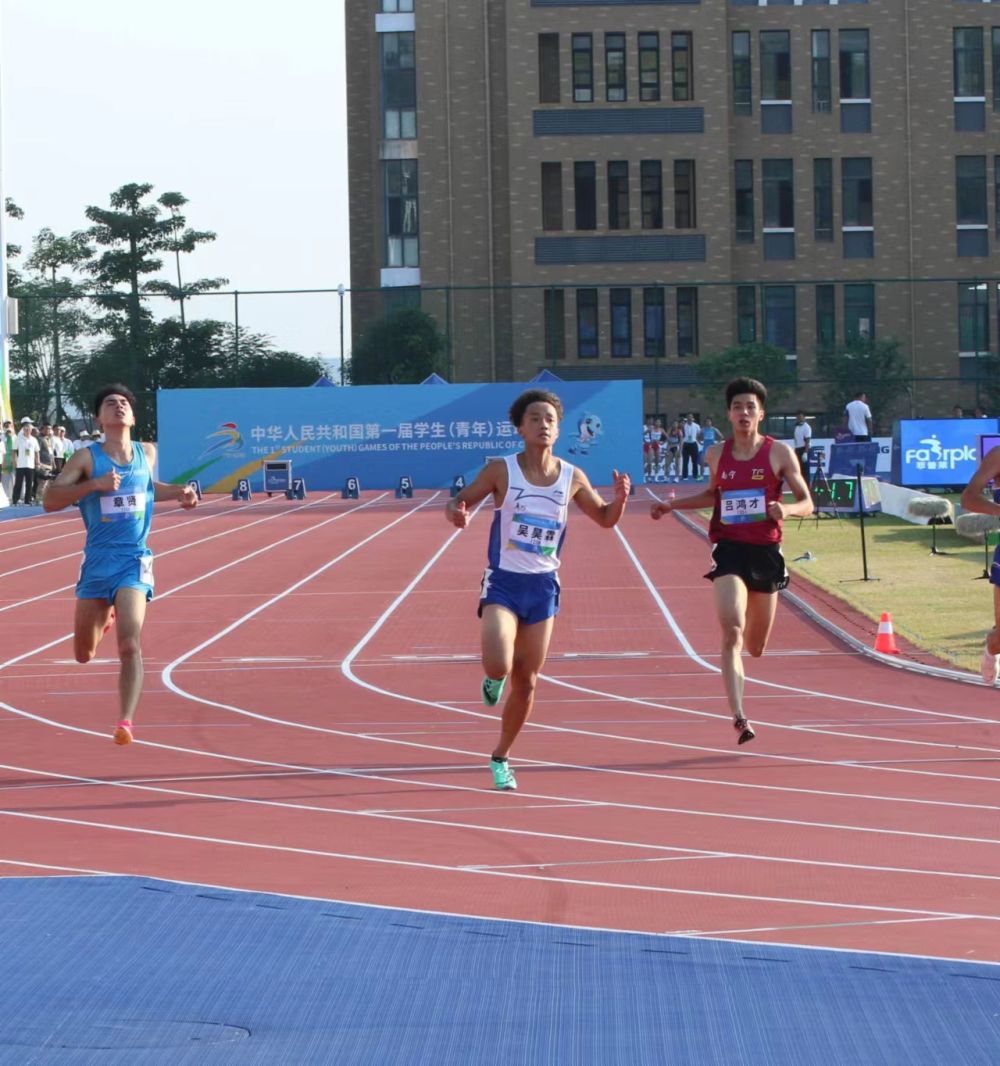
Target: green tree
{"x": 49, "y": 255}
{"x": 404, "y": 347}
{"x": 183, "y": 239}
{"x": 11, "y": 210}
{"x": 764, "y": 362}
{"x": 875, "y": 367}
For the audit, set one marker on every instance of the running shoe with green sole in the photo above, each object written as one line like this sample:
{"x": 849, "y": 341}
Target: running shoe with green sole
{"x": 503, "y": 775}
{"x": 493, "y": 690}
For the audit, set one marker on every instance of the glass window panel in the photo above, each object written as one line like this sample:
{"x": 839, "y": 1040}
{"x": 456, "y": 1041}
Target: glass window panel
{"x": 779, "y": 316}
{"x": 968, "y": 61}
{"x": 583, "y": 68}
{"x": 680, "y": 66}
{"x": 687, "y": 320}
{"x": 826, "y": 317}
{"x": 742, "y": 83}
{"x": 823, "y": 199}
{"x": 775, "y": 65}
{"x": 586, "y": 324}
{"x": 585, "y": 195}
{"x": 854, "y": 76}
{"x": 746, "y": 314}
{"x": 618, "y": 207}
{"x": 970, "y": 190}
{"x": 621, "y": 323}
{"x": 649, "y": 66}
{"x": 744, "y": 201}
{"x": 856, "y": 192}
{"x": 651, "y": 181}
{"x": 822, "y": 92}
{"x": 548, "y": 68}
{"x": 614, "y": 67}
{"x": 859, "y": 312}
{"x": 779, "y": 201}
{"x": 654, "y": 323}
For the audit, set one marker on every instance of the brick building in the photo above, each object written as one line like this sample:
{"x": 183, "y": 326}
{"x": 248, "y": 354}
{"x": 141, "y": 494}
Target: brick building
{"x": 617, "y": 188}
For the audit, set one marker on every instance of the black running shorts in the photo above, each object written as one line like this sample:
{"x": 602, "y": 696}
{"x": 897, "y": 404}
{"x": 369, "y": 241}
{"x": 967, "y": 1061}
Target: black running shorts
{"x": 761, "y": 567}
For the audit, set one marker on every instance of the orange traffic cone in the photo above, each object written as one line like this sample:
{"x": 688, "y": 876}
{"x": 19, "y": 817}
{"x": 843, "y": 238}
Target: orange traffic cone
{"x": 885, "y": 639}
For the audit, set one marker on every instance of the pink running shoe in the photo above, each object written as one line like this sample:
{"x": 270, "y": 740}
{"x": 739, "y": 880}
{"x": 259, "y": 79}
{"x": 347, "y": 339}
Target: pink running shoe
{"x": 123, "y": 732}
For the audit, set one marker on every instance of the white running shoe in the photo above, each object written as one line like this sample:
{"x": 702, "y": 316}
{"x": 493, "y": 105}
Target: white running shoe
{"x": 989, "y": 668}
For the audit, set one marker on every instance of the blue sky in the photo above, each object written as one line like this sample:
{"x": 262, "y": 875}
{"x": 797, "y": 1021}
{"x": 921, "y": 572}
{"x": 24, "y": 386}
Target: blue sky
{"x": 238, "y": 104}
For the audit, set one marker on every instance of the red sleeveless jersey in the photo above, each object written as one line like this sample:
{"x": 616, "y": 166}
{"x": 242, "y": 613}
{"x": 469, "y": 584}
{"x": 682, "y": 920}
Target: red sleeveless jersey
{"x": 743, "y": 489}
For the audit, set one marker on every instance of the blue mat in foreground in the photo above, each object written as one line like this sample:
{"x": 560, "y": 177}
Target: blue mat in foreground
{"x": 126, "y": 970}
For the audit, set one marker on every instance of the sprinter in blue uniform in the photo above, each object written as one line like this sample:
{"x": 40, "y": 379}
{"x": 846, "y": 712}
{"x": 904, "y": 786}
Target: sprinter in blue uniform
{"x": 519, "y": 597}
{"x": 113, "y": 484}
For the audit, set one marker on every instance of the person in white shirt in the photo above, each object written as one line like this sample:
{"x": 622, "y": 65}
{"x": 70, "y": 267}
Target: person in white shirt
{"x": 859, "y": 418}
{"x": 690, "y": 447}
{"x": 25, "y": 461}
{"x": 82, "y": 441}
{"x": 62, "y": 448}
{"x": 802, "y": 435}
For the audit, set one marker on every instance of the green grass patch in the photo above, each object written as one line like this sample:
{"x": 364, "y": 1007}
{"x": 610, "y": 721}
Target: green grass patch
{"x": 935, "y": 600}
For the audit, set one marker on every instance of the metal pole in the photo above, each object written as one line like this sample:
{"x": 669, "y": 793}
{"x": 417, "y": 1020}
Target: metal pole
{"x": 56, "y": 361}
{"x": 861, "y": 518}
{"x": 236, "y": 335}
{"x": 340, "y": 295}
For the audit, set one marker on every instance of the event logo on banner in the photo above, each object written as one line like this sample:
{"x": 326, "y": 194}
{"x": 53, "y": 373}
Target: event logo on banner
{"x": 941, "y": 451}
{"x": 381, "y": 433}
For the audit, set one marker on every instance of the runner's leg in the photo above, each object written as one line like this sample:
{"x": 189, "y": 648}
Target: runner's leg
{"x": 530, "y": 649}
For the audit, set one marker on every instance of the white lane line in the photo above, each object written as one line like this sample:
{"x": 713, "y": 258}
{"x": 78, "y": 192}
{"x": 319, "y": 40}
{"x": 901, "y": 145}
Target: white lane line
{"x": 701, "y": 661}
{"x": 503, "y": 831}
{"x": 691, "y": 933}
{"x": 628, "y": 861}
{"x": 380, "y": 860}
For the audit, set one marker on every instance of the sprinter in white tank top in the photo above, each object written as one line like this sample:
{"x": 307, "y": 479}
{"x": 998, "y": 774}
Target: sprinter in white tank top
{"x": 520, "y": 591}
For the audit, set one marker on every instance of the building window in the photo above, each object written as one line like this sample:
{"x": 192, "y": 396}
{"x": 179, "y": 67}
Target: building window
{"x": 618, "y": 194}
{"x": 586, "y": 323}
{"x": 685, "y": 214}
{"x": 554, "y": 310}
{"x": 746, "y": 314}
{"x": 649, "y": 66}
{"x": 621, "y": 323}
{"x": 583, "y": 68}
{"x": 779, "y": 316}
{"x": 775, "y": 65}
{"x": 399, "y": 87}
{"x": 856, "y": 192}
{"x": 687, "y": 320}
{"x": 548, "y": 68}
{"x": 822, "y": 93}
{"x": 614, "y": 67}
{"x": 651, "y": 192}
{"x": 823, "y": 199}
{"x": 973, "y": 318}
{"x": 779, "y": 194}
{"x": 585, "y": 195}
{"x": 826, "y": 318}
{"x": 996, "y": 68}
{"x": 552, "y": 197}
{"x": 402, "y": 234}
{"x": 744, "y": 201}
{"x": 859, "y": 313}
{"x": 653, "y": 323}
{"x": 681, "y": 72}
{"x": 970, "y": 190}
{"x": 742, "y": 81}
{"x": 391, "y": 7}
{"x": 968, "y": 61}
{"x": 996, "y": 193}
{"x": 854, "y": 74}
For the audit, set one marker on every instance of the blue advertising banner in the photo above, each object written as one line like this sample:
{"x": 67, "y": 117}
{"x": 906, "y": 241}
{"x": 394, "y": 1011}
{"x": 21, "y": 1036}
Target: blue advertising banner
{"x": 379, "y": 433}
{"x": 938, "y": 451}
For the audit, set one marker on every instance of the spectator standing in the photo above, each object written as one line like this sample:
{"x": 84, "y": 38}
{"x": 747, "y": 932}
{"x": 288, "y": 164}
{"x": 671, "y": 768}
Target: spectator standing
{"x": 82, "y": 441}
{"x": 25, "y": 461}
{"x": 45, "y": 468}
{"x": 62, "y": 448}
{"x": 647, "y": 450}
{"x": 957, "y": 412}
{"x": 675, "y": 438}
{"x": 709, "y": 436}
{"x": 859, "y": 418}
{"x": 802, "y": 435}
{"x": 690, "y": 448}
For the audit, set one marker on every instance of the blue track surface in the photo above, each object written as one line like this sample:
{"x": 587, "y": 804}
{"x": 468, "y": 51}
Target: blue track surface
{"x": 116, "y": 970}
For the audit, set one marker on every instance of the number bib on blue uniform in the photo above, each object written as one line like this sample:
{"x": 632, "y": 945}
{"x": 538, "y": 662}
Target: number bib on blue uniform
{"x": 737, "y": 506}
{"x": 123, "y": 507}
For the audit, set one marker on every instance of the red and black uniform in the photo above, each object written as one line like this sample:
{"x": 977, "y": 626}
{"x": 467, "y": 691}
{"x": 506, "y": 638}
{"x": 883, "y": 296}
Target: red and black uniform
{"x": 747, "y": 541}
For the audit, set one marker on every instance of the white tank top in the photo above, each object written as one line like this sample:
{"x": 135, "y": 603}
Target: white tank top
{"x": 530, "y": 525}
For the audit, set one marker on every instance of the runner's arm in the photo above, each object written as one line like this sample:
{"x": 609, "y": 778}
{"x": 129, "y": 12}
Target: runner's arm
{"x": 699, "y": 500}
{"x": 486, "y": 481}
{"x": 74, "y": 482}
{"x": 164, "y": 490}
{"x": 593, "y": 505}
{"x": 785, "y": 464}
{"x": 989, "y": 470}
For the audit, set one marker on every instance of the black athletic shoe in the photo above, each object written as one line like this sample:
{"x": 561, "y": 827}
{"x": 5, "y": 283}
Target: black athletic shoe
{"x": 745, "y": 730}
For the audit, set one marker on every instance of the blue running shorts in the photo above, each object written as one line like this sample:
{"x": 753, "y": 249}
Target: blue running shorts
{"x": 102, "y": 575}
{"x": 995, "y": 568}
{"x": 529, "y": 597}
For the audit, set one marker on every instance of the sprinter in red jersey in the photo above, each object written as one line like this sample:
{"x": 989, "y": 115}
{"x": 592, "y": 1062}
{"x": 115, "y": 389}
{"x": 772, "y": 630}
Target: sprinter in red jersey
{"x": 748, "y": 569}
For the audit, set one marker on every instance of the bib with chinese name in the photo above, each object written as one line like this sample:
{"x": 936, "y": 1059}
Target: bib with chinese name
{"x": 743, "y": 489}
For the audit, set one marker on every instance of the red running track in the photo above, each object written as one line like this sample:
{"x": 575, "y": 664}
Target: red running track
{"x": 311, "y": 726}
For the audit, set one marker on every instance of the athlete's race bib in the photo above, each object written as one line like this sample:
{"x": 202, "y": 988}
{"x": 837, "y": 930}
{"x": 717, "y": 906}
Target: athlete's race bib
{"x": 535, "y": 534}
{"x": 123, "y": 507}
{"x": 742, "y": 505}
